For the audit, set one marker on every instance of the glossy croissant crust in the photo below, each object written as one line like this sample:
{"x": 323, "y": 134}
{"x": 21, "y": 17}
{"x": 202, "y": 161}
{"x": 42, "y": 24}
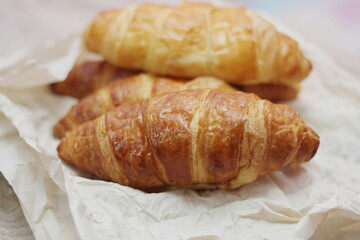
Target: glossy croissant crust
{"x": 195, "y": 39}
{"x": 89, "y": 76}
{"x": 130, "y": 90}
{"x": 195, "y": 138}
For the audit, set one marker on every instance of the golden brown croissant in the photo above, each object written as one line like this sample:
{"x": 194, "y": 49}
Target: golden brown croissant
{"x": 200, "y": 138}
{"x": 195, "y": 39}
{"x": 90, "y": 76}
{"x": 131, "y": 90}
{"x": 87, "y": 77}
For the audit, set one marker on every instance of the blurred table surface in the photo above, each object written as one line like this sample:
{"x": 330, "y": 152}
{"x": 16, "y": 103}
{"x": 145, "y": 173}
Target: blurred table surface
{"x": 332, "y": 25}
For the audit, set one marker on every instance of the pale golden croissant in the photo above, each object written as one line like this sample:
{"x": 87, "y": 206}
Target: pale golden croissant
{"x": 89, "y": 76}
{"x": 200, "y": 138}
{"x": 195, "y": 39}
{"x": 130, "y": 90}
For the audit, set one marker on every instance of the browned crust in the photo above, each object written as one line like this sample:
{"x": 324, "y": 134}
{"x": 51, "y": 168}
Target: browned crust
{"x": 195, "y": 39}
{"x": 90, "y": 76}
{"x": 87, "y": 77}
{"x": 191, "y": 138}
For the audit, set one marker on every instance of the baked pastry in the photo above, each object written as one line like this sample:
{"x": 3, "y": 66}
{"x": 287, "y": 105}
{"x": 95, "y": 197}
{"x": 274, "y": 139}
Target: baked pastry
{"x": 201, "y": 138}
{"x": 130, "y": 90}
{"x": 90, "y": 76}
{"x": 196, "y": 39}
{"x": 272, "y": 92}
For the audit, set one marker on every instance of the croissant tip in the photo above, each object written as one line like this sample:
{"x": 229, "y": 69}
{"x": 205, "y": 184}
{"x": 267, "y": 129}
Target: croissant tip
{"x": 310, "y": 65}
{"x": 313, "y": 140}
{"x": 316, "y": 147}
{"x": 54, "y": 87}
{"x": 59, "y": 148}
{"x": 59, "y": 130}
{"x": 313, "y": 153}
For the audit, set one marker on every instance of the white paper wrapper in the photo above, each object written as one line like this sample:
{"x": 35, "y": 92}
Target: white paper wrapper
{"x": 318, "y": 200}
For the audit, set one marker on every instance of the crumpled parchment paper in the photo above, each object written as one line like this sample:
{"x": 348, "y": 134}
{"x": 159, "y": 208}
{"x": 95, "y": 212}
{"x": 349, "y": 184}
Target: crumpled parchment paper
{"x": 317, "y": 200}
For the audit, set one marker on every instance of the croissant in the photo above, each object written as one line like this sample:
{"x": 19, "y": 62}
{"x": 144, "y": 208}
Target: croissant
{"x": 130, "y": 90}
{"x": 201, "y": 138}
{"x": 90, "y": 76}
{"x": 195, "y": 39}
